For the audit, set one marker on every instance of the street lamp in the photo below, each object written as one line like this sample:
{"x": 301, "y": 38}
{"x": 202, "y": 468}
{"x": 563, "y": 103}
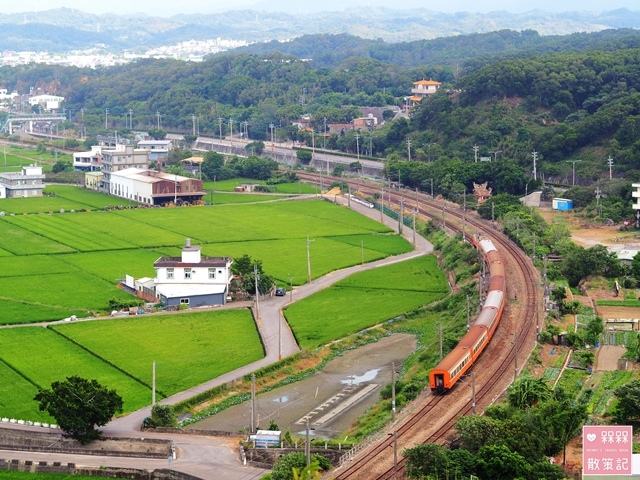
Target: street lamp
{"x": 495, "y": 155}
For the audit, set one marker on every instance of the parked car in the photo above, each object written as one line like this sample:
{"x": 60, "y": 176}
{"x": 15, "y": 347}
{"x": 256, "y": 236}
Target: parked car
{"x": 281, "y": 292}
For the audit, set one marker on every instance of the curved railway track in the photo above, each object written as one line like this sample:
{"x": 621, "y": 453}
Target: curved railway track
{"x": 433, "y": 419}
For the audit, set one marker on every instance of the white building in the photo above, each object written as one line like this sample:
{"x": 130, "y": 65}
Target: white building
{"x": 192, "y": 279}
{"x": 88, "y": 161}
{"x": 28, "y": 183}
{"x": 636, "y": 204}
{"x": 120, "y": 158}
{"x": 47, "y": 102}
{"x": 154, "y": 188}
{"x": 158, "y": 149}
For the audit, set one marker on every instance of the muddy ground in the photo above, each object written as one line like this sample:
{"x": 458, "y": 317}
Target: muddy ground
{"x": 332, "y": 399}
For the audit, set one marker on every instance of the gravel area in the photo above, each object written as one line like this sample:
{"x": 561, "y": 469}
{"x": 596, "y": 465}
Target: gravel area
{"x": 332, "y": 398}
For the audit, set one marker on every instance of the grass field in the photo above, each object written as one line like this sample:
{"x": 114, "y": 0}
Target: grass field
{"x": 366, "y": 299}
{"x": 53, "y": 266}
{"x": 93, "y": 200}
{"x": 56, "y": 358}
{"x": 285, "y": 188}
{"x": 188, "y": 349}
{"x": 12, "y": 475}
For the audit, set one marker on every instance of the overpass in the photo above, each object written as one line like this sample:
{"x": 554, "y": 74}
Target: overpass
{"x": 29, "y": 120}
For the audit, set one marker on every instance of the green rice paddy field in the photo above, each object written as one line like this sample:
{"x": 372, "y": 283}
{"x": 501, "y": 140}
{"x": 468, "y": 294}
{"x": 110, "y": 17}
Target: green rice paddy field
{"x": 55, "y": 266}
{"x": 188, "y": 349}
{"x": 366, "y": 299}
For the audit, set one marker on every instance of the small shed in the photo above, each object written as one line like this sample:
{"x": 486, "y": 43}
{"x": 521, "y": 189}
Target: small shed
{"x": 562, "y": 204}
{"x": 266, "y": 438}
{"x": 249, "y": 187}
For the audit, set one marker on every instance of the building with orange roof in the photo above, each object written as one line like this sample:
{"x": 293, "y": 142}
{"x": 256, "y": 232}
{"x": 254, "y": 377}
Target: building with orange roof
{"x": 423, "y": 88}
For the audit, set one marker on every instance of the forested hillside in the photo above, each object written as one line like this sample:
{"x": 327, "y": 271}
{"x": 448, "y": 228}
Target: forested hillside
{"x": 565, "y": 105}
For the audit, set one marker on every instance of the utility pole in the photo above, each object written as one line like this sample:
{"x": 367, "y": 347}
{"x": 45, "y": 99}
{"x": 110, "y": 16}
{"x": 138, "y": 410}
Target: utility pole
{"x": 401, "y": 216}
{"x": 307, "y": 446}
{"x": 253, "y": 403}
{"x": 158, "y": 118}
{"x": 381, "y": 205}
{"x": 290, "y": 289}
{"x": 535, "y": 160}
{"x": 393, "y": 392}
{"x": 131, "y": 119}
{"x": 231, "y": 131}
{"x": 280, "y": 315}
{"x": 475, "y": 153}
{"x": 308, "y": 260}
{"x": 220, "y": 125}
{"x": 414, "y": 228}
{"x": 106, "y": 117}
{"x": 357, "y": 136}
{"x": 473, "y": 393}
{"x": 153, "y": 383}
{"x": 440, "y": 339}
{"x": 468, "y": 316}
{"x": 409, "y": 148}
{"x": 255, "y": 277}
{"x": 610, "y": 164}
{"x": 193, "y": 121}
{"x": 598, "y": 195}
{"x": 574, "y": 169}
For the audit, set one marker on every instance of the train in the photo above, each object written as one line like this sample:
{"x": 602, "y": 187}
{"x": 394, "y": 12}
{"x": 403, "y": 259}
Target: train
{"x": 452, "y": 367}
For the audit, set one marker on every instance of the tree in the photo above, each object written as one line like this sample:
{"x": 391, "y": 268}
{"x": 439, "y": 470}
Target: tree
{"x": 157, "y": 134}
{"x": 285, "y": 465}
{"x": 246, "y": 268}
{"x": 61, "y": 166}
{"x": 304, "y": 155}
{"x": 256, "y": 147}
{"x": 527, "y": 391}
{"x": 79, "y": 406}
{"x": 627, "y": 407}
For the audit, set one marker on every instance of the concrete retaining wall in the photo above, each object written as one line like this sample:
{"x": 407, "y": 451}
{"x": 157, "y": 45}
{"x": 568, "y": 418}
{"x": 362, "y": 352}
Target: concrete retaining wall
{"x": 57, "y": 442}
{"x": 110, "y": 472}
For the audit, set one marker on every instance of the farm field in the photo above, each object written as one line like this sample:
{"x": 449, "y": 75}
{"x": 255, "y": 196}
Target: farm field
{"x": 285, "y": 188}
{"x": 366, "y": 299}
{"x": 92, "y": 199}
{"x": 55, "y": 266}
{"x": 56, "y": 358}
{"x": 189, "y": 349}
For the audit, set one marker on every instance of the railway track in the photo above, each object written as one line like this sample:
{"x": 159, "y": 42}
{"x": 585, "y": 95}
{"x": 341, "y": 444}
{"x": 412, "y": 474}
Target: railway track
{"x": 432, "y": 421}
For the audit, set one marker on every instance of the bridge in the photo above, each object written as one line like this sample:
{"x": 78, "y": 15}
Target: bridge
{"x": 29, "y": 119}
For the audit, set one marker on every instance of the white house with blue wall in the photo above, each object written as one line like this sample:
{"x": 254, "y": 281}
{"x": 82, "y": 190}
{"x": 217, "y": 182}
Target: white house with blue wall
{"x": 192, "y": 279}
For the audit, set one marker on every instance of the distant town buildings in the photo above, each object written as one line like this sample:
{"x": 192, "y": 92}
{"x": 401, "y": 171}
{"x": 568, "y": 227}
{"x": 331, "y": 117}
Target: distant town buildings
{"x": 192, "y": 50}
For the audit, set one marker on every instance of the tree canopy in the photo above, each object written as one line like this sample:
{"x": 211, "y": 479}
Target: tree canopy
{"x": 79, "y": 406}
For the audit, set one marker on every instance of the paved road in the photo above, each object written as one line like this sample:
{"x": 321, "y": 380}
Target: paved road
{"x": 211, "y": 457}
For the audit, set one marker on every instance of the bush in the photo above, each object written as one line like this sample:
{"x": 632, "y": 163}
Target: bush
{"x": 161, "y": 416}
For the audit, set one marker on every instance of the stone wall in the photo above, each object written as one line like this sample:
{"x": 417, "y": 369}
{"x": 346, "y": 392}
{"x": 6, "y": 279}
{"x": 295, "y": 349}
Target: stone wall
{"x": 54, "y": 441}
{"x": 109, "y": 472}
{"x": 266, "y": 457}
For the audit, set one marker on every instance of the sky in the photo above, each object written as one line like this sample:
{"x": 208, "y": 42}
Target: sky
{"x": 165, "y": 8}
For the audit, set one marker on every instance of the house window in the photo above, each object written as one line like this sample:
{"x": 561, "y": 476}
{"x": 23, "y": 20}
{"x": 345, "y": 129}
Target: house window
{"x": 170, "y": 273}
{"x": 184, "y": 301}
{"x": 212, "y": 273}
{"x": 187, "y": 273}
